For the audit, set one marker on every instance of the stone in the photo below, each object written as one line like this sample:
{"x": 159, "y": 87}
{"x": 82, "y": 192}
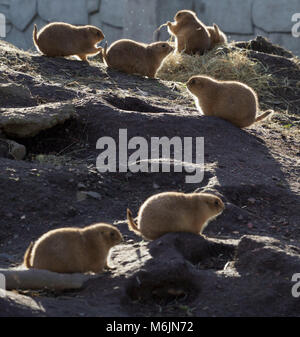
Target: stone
{"x": 11, "y": 149}
{"x": 140, "y": 20}
{"x": 22, "y": 12}
{"x": 112, "y": 12}
{"x": 4, "y": 9}
{"x": 275, "y": 15}
{"x": 70, "y": 11}
{"x": 111, "y": 33}
{"x": 21, "y": 39}
{"x": 16, "y": 37}
{"x": 93, "y": 6}
{"x": 82, "y": 195}
{"x": 29, "y": 121}
{"x": 238, "y": 37}
{"x": 166, "y": 10}
{"x": 3, "y": 26}
{"x": 215, "y": 11}
{"x": 8, "y": 28}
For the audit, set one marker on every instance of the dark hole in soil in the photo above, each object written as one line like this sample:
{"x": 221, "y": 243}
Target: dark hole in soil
{"x": 62, "y": 139}
{"x": 132, "y": 104}
{"x": 210, "y": 256}
{"x": 162, "y": 290}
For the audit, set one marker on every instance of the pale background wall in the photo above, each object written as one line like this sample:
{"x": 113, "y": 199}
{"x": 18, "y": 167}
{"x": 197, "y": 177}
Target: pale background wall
{"x": 138, "y": 19}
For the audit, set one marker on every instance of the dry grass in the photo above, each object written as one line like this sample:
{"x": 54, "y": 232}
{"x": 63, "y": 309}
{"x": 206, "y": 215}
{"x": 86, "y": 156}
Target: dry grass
{"x": 221, "y": 64}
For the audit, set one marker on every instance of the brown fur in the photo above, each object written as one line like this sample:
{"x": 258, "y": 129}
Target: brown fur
{"x": 229, "y": 100}
{"x": 216, "y": 36}
{"x": 175, "y": 212}
{"x": 63, "y": 39}
{"x": 73, "y": 250}
{"x": 191, "y": 35}
{"x": 136, "y": 58}
{"x": 28, "y": 255}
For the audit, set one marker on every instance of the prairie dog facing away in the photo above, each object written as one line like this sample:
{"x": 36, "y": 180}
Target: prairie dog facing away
{"x": 230, "y": 100}
{"x": 216, "y": 36}
{"x": 136, "y": 58}
{"x": 73, "y": 250}
{"x": 191, "y": 35}
{"x": 175, "y": 212}
{"x": 63, "y": 39}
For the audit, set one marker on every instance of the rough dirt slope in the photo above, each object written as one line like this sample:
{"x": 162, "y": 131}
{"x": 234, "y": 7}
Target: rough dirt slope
{"x": 59, "y": 108}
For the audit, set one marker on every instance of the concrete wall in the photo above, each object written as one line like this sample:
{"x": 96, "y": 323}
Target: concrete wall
{"x": 138, "y": 19}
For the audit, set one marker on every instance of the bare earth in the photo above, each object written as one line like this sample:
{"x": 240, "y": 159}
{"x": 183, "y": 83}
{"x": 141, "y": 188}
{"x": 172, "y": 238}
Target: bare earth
{"x": 244, "y": 264}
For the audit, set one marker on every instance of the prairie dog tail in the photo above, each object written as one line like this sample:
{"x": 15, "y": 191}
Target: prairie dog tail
{"x": 27, "y": 256}
{"x": 131, "y": 224}
{"x": 104, "y": 53}
{"x": 34, "y": 36}
{"x": 264, "y": 115}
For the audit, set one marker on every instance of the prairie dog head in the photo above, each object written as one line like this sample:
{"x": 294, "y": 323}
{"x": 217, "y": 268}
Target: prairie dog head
{"x": 94, "y": 34}
{"x": 210, "y": 204}
{"x": 161, "y": 48}
{"x": 109, "y": 234}
{"x": 198, "y": 84}
{"x": 184, "y": 16}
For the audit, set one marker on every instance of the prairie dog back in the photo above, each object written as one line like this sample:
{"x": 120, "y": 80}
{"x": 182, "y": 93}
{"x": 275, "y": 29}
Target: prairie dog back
{"x": 136, "y": 58}
{"x": 175, "y": 212}
{"x": 62, "y": 39}
{"x": 71, "y": 250}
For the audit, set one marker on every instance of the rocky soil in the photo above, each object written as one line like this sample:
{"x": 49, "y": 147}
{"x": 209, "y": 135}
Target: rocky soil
{"x": 59, "y": 108}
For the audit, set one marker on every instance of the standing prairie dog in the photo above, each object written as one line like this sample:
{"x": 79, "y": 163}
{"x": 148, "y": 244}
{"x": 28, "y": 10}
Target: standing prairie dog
{"x": 73, "y": 250}
{"x": 175, "y": 212}
{"x": 216, "y": 36}
{"x": 191, "y": 35}
{"x": 63, "y": 39}
{"x": 229, "y": 100}
{"x": 136, "y": 58}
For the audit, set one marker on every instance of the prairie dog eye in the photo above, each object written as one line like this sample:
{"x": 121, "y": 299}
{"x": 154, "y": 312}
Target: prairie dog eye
{"x": 112, "y": 234}
{"x": 217, "y": 203}
{"x": 193, "y": 81}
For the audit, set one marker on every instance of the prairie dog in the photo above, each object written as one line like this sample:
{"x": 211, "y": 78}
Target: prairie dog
{"x": 136, "y": 58}
{"x": 73, "y": 250}
{"x": 191, "y": 35}
{"x": 63, "y": 39}
{"x": 175, "y": 212}
{"x": 229, "y": 100}
{"x": 216, "y": 36}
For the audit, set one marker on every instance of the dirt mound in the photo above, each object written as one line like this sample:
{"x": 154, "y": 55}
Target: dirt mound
{"x": 59, "y": 108}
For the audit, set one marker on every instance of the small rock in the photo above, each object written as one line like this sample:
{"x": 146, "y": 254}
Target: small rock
{"x": 12, "y": 149}
{"x": 81, "y": 186}
{"x": 252, "y": 201}
{"x": 81, "y": 195}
